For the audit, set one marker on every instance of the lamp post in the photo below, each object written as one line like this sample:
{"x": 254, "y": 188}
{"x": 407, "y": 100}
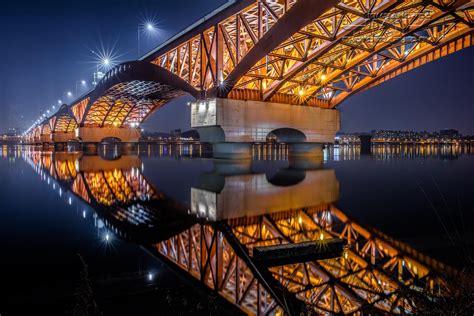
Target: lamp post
{"x": 147, "y": 26}
{"x": 83, "y": 83}
{"x": 68, "y": 94}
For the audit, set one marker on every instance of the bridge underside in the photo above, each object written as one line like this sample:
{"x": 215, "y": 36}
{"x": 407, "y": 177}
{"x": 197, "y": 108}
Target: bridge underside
{"x": 124, "y": 98}
{"x": 313, "y": 53}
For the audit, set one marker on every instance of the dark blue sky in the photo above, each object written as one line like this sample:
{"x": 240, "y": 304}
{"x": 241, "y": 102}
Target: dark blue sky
{"x": 46, "y": 48}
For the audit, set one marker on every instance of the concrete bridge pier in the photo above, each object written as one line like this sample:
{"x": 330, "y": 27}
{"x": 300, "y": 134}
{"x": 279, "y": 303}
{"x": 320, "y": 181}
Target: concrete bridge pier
{"x": 46, "y": 145}
{"x": 232, "y": 126}
{"x": 90, "y": 148}
{"x": 91, "y": 137}
{"x": 60, "y": 140}
{"x": 60, "y": 146}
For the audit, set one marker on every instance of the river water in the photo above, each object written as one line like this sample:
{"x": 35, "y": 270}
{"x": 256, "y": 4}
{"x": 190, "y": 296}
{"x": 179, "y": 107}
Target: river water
{"x": 132, "y": 222}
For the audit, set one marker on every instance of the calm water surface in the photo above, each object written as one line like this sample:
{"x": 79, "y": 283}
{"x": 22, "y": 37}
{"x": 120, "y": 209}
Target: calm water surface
{"x": 117, "y": 214}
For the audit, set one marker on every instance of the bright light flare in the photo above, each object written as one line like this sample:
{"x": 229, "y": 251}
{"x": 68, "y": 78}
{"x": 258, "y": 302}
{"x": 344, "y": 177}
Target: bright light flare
{"x": 105, "y": 58}
{"x": 301, "y": 92}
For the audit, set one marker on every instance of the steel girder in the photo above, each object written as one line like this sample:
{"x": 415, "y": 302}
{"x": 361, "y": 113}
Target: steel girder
{"x": 313, "y": 52}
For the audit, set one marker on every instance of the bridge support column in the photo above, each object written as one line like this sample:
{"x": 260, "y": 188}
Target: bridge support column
{"x": 99, "y": 134}
{"x": 60, "y": 146}
{"x": 60, "y": 140}
{"x": 45, "y": 139}
{"x": 90, "y": 148}
{"x": 233, "y": 125}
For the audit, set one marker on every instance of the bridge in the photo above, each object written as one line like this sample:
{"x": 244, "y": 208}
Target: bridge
{"x": 256, "y": 67}
{"x": 216, "y": 242}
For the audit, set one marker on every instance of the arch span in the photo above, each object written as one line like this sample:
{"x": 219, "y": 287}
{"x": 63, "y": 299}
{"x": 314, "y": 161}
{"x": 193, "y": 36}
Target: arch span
{"x": 64, "y": 120}
{"x": 130, "y": 92}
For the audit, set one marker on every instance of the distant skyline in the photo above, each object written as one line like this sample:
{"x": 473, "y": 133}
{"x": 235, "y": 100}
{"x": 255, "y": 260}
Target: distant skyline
{"x": 46, "y": 50}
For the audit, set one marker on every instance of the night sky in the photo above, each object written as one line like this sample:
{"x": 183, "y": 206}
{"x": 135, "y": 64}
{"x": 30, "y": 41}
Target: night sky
{"x": 46, "y": 48}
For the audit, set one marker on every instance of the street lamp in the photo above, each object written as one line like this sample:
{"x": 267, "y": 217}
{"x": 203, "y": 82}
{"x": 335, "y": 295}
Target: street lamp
{"x": 67, "y": 94}
{"x": 82, "y": 83}
{"x": 148, "y": 26}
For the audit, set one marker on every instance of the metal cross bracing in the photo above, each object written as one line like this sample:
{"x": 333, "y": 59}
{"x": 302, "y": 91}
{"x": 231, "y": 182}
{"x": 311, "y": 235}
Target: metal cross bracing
{"x": 369, "y": 278}
{"x": 260, "y": 52}
{"x": 45, "y": 128}
{"x": 63, "y": 121}
{"x": 128, "y": 94}
{"x": 124, "y": 104}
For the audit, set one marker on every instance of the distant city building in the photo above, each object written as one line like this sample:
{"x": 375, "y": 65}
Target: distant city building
{"x": 449, "y": 133}
{"x": 172, "y": 137}
{"x": 176, "y": 134}
{"x": 446, "y": 136}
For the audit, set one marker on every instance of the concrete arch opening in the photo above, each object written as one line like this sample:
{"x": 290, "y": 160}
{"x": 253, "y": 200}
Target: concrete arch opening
{"x": 110, "y": 141}
{"x": 287, "y": 135}
{"x": 287, "y": 177}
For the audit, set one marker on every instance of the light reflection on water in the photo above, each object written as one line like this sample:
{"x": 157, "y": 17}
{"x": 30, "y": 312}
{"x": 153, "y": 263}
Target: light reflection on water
{"x": 172, "y": 199}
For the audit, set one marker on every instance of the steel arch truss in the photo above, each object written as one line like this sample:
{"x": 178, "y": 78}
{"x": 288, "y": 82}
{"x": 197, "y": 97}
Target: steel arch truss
{"x": 45, "y": 128}
{"x": 260, "y": 52}
{"x": 128, "y": 94}
{"x": 63, "y": 121}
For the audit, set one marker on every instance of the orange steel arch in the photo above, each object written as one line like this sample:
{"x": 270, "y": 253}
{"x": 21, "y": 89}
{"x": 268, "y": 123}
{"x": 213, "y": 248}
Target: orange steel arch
{"x": 64, "y": 121}
{"x": 129, "y": 93}
{"x": 313, "y": 53}
{"x": 45, "y": 128}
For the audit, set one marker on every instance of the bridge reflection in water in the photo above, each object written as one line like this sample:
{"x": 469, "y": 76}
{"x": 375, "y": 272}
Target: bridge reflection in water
{"x": 233, "y": 214}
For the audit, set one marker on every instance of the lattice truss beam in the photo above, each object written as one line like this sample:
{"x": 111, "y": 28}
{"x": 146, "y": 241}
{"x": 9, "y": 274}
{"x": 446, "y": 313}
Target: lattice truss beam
{"x": 370, "y": 276}
{"x": 45, "y": 128}
{"x": 208, "y": 58}
{"x": 353, "y": 46}
{"x": 127, "y": 104}
{"x": 63, "y": 122}
{"x": 36, "y": 132}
